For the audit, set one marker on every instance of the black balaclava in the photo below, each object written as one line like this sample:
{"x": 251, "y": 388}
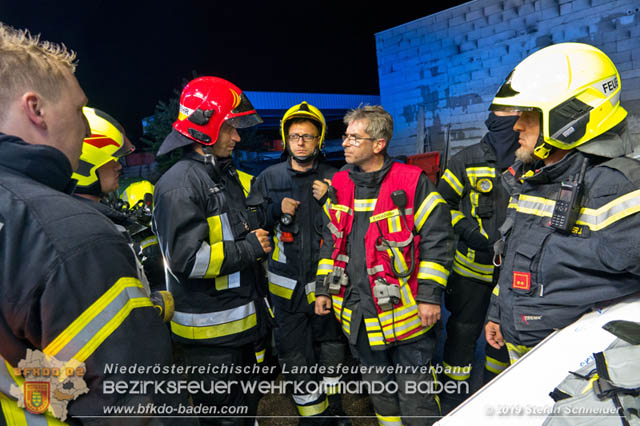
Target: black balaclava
{"x": 502, "y": 138}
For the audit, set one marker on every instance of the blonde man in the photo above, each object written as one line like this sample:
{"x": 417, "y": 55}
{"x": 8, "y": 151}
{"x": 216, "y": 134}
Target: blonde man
{"x": 68, "y": 279}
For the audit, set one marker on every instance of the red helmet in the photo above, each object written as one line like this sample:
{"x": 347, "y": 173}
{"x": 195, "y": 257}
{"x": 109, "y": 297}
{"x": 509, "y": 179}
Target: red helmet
{"x": 205, "y": 104}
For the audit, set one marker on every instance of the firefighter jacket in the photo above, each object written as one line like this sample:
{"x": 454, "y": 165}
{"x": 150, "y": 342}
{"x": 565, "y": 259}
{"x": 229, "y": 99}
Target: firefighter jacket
{"x": 201, "y": 221}
{"x": 69, "y": 287}
{"x": 548, "y": 279}
{"x": 368, "y": 236}
{"x": 292, "y": 265}
{"x": 478, "y": 201}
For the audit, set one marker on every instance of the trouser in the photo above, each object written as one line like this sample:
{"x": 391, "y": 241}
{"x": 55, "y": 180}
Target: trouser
{"x": 241, "y": 404}
{"x": 411, "y": 404}
{"x": 303, "y": 340}
{"x": 467, "y": 300}
{"x": 496, "y": 361}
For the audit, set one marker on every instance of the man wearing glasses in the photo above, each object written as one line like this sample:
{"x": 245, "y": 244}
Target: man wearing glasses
{"x": 297, "y": 214}
{"x": 384, "y": 264}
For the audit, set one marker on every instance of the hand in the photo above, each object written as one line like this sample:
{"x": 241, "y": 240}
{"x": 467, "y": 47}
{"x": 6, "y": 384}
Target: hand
{"x": 289, "y": 206}
{"x": 323, "y": 305}
{"x": 493, "y": 335}
{"x": 429, "y": 313}
{"x": 263, "y": 239}
{"x": 320, "y": 188}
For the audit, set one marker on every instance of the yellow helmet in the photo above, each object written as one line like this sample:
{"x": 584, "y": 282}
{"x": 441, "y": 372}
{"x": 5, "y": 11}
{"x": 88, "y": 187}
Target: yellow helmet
{"x": 107, "y": 142}
{"x": 137, "y": 192}
{"x": 303, "y": 110}
{"x": 574, "y": 86}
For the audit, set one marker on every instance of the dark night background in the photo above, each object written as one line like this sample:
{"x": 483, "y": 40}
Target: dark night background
{"x": 132, "y": 54}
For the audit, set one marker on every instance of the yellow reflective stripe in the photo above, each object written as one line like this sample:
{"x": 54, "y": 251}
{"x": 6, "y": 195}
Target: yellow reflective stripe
{"x": 466, "y": 272}
{"x": 496, "y": 290}
{"x": 310, "y": 291}
{"x": 389, "y": 420}
{"x": 341, "y": 208}
{"x": 276, "y": 247}
{"x": 213, "y": 331}
{"x": 433, "y": 271}
{"x": 13, "y": 415}
{"x": 326, "y": 207}
{"x": 364, "y": 205}
{"x": 469, "y": 262}
{"x": 589, "y": 385}
{"x": 104, "y": 315}
{"x": 394, "y": 224}
{"x": 149, "y": 241}
{"x": 245, "y": 181}
{"x": 474, "y": 198}
{"x": 537, "y": 206}
{"x": 276, "y": 290}
{"x": 260, "y": 356}
{"x": 385, "y": 215}
{"x": 425, "y": 209}
{"x": 222, "y": 283}
{"x": 453, "y": 182}
{"x": 457, "y": 372}
{"x": 324, "y": 266}
{"x": 312, "y": 410}
{"x": 516, "y": 352}
{"x": 475, "y": 173}
{"x": 456, "y": 216}
{"x": 613, "y": 211}
{"x": 215, "y": 260}
{"x": 215, "y": 229}
{"x": 494, "y": 365}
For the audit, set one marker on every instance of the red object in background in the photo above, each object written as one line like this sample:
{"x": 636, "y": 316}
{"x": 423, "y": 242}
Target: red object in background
{"x": 429, "y": 162}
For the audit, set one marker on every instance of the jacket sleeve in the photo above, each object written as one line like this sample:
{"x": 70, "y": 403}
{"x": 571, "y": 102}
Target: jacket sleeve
{"x": 325, "y": 263}
{"x": 432, "y": 222}
{"x": 272, "y": 209}
{"x": 93, "y": 309}
{"x": 452, "y": 187}
{"x": 493, "y": 313}
{"x": 194, "y": 245}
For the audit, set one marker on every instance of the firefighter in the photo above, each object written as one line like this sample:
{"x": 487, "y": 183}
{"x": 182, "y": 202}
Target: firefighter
{"x": 212, "y": 241}
{"x": 68, "y": 280}
{"x": 384, "y": 264}
{"x": 478, "y": 201}
{"x": 296, "y": 189}
{"x": 569, "y": 243}
{"x": 137, "y": 202}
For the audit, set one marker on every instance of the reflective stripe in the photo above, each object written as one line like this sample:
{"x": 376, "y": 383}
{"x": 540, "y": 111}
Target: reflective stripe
{"x": 537, "y": 206}
{"x": 260, "y": 356}
{"x": 425, "y": 209}
{"x": 494, "y": 365}
{"x": 621, "y": 207}
{"x": 342, "y": 258}
{"x": 433, "y": 271}
{"x": 516, "y": 352}
{"x": 325, "y": 266}
{"x": 456, "y": 216}
{"x": 385, "y": 215}
{"x": 466, "y": 272}
{"x": 214, "y": 324}
{"x": 465, "y": 266}
{"x": 334, "y": 230}
{"x": 245, "y": 181}
{"x": 375, "y": 269}
{"x": 453, "y": 182}
{"x": 87, "y": 332}
{"x": 310, "y": 291}
{"x": 394, "y": 224}
{"x": 149, "y": 241}
{"x": 278, "y": 249}
{"x": 281, "y": 286}
{"x": 326, "y": 207}
{"x": 457, "y": 372}
{"x": 496, "y": 290}
{"x": 364, "y": 205}
{"x": 331, "y": 385}
{"x": 474, "y": 198}
{"x": 225, "y": 282}
{"x": 314, "y": 409}
{"x": 477, "y": 172}
{"x": 341, "y": 208}
{"x": 208, "y": 260}
{"x": 389, "y": 420}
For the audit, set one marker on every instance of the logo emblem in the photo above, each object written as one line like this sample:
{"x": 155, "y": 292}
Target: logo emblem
{"x": 485, "y": 185}
{"x": 521, "y": 280}
{"x": 236, "y": 99}
{"x": 36, "y": 396}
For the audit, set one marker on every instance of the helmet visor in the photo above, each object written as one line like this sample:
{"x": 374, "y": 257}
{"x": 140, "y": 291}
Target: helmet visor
{"x": 244, "y": 121}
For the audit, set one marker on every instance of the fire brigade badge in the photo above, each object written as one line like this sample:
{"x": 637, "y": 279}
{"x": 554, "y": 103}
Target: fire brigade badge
{"x": 36, "y": 396}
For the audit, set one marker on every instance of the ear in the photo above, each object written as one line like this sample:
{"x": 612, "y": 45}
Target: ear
{"x": 32, "y": 104}
{"x": 380, "y": 145}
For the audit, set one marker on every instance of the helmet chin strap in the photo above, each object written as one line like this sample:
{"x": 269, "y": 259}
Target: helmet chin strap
{"x": 542, "y": 149}
{"x": 306, "y": 159}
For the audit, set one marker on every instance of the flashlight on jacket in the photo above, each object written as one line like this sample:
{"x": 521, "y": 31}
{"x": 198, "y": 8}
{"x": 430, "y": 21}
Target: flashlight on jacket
{"x": 286, "y": 219}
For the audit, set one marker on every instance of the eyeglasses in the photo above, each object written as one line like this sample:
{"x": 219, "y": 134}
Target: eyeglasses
{"x": 355, "y": 140}
{"x": 306, "y": 137}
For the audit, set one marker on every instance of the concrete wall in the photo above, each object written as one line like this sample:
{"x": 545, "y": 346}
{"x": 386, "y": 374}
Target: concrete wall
{"x": 441, "y": 72}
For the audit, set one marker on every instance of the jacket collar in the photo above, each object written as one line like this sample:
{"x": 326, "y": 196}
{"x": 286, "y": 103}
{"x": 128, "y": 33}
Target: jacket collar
{"x": 371, "y": 179}
{"x": 41, "y": 163}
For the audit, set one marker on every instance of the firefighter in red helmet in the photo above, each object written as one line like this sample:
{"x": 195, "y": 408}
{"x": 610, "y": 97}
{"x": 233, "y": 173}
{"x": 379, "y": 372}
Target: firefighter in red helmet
{"x": 212, "y": 243}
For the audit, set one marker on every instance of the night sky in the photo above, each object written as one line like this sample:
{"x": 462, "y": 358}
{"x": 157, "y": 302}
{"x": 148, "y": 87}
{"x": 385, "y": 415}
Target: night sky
{"x": 132, "y": 54}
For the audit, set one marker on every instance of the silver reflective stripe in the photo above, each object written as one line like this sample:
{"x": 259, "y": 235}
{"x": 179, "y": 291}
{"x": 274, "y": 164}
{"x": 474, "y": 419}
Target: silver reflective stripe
{"x": 203, "y": 256}
{"x": 234, "y": 280}
{"x": 393, "y": 244}
{"x": 478, "y": 267}
{"x": 343, "y": 258}
{"x": 364, "y": 205}
{"x": 407, "y": 326}
{"x": 94, "y": 326}
{"x": 374, "y": 270}
{"x": 433, "y": 271}
{"x": 1, "y": 226}
{"x": 214, "y": 318}
{"x": 282, "y": 281}
{"x": 5, "y": 378}
{"x": 334, "y": 230}
{"x": 425, "y": 209}
{"x": 535, "y": 205}
{"x": 307, "y": 399}
{"x": 617, "y": 209}
{"x": 310, "y": 288}
{"x": 227, "y": 235}
{"x": 389, "y": 421}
